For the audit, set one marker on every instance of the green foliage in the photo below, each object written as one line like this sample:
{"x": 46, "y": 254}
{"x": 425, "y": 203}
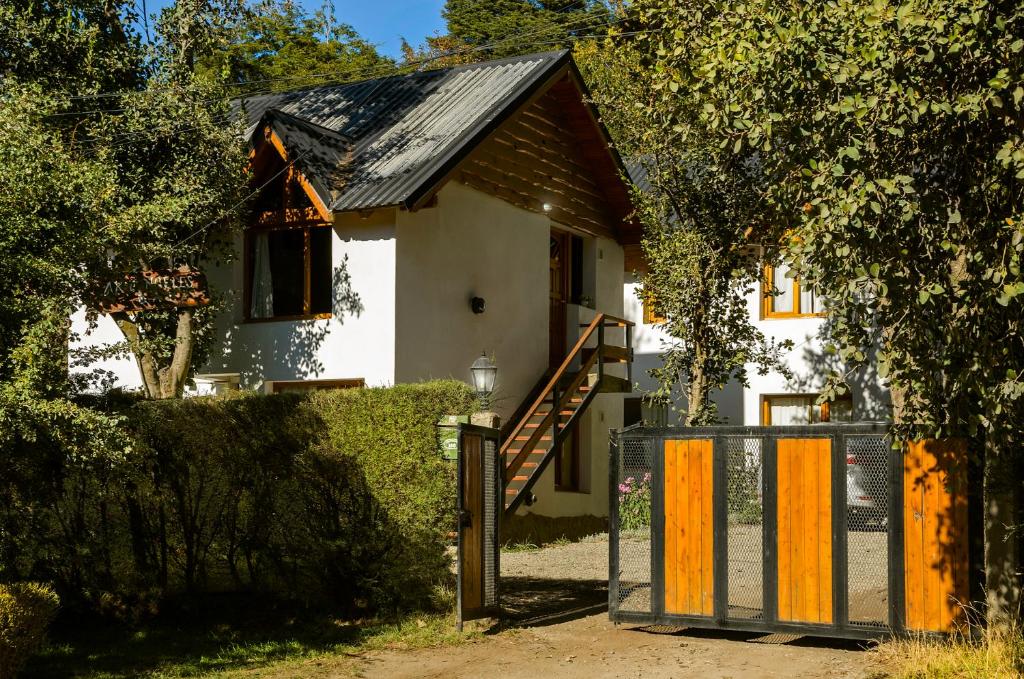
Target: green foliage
{"x": 277, "y": 45}
{"x": 696, "y": 205}
{"x": 333, "y": 498}
{"x": 888, "y": 140}
{"x": 492, "y": 29}
{"x": 26, "y": 610}
{"x": 70, "y": 46}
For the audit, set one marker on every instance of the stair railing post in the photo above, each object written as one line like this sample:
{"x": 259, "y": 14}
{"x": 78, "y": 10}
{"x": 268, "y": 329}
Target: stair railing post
{"x": 600, "y": 353}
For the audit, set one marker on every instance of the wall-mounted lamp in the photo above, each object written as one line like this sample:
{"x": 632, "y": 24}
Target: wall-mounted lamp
{"x": 477, "y": 304}
{"x": 484, "y": 371}
{"x": 546, "y": 207}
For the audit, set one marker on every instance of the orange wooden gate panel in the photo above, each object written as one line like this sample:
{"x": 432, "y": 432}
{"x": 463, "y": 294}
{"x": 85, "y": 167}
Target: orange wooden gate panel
{"x": 935, "y": 534}
{"x": 689, "y": 529}
{"x": 804, "y": 530}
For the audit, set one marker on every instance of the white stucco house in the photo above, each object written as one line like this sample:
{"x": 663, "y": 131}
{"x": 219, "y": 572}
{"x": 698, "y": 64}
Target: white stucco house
{"x": 793, "y": 314}
{"x": 405, "y": 225}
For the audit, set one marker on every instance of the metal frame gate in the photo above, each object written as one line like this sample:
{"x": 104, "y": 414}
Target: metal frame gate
{"x": 479, "y": 509}
{"x": 751, "y": 528}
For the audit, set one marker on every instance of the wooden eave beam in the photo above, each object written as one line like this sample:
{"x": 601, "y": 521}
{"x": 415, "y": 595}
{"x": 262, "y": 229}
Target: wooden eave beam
{"x": 272, "y": 139}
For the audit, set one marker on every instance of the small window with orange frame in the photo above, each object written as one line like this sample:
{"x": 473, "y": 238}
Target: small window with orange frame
{"x": 784, "y": 297}
{"x": 652, "y": 316}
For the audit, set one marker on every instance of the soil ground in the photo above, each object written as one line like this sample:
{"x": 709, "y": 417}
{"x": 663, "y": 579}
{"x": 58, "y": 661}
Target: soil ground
{"x": 557, "y": 626}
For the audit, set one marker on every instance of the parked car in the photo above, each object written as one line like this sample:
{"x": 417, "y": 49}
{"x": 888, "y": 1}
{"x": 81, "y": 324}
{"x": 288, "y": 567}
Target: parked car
{"x": 866, "y": 490}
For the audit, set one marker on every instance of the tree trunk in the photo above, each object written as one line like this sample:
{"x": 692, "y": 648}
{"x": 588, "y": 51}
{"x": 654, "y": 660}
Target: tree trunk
{"x": 1002, "y": 570}
{"x": 167, "y": 381}
{"x": 696, "y": 390}
{"x": 172, "y": 378}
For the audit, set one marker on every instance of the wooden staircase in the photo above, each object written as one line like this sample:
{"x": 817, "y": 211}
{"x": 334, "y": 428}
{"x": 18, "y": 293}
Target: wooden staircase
{"x": 534, "y": 441}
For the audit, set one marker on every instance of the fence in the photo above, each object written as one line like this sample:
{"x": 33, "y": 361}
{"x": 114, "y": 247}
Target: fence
{"x": 823, "y": 530}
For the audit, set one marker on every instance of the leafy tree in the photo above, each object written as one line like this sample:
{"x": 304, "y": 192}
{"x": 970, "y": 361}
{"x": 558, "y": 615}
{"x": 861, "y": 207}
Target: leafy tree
{"x": 77, "y": 47}
{"x": 181, "y": 188}
{"x": 277, "y": 45}
{"x": 889, "y": 139}
{"x": 491, "y": 29}
{"x": 696, "y": 205}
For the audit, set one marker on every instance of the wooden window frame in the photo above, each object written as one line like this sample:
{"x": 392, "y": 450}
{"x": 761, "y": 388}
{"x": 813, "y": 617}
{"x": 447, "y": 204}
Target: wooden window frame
{"x": 824, "y": 413}
{"x": 651, "y": 314}
{"x": 768, "y": 299}
{"x": 307, "y": 283}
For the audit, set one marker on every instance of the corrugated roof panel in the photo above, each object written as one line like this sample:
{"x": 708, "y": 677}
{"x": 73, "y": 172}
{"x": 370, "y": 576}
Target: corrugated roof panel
{"x": 404, "y": 129}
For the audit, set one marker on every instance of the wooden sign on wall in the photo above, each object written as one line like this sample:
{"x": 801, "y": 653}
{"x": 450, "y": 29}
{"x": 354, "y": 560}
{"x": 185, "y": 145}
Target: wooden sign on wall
{"x": 155, "y": 289}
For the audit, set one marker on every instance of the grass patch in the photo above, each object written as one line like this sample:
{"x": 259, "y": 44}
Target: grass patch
{"x": 521, "y": 547}
{"x": 231, "y": 641}
{"x": 988, "y": 655}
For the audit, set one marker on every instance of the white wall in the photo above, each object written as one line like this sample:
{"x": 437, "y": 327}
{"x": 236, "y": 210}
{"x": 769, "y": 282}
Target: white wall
{"x": 357, "y": 341}
{"x": 650, "y": 342}
{"x": 807, "y": 361}
{"x": 810, "y": 365}
{"x": 121, "y": 372}
{"x": 472, "y": 244}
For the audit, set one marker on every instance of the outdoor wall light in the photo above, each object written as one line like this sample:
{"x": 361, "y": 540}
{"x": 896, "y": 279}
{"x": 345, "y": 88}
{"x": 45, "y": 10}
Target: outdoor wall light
{"x": 546, "y": 207}
{"x": 483, "y": 371}
{"x": 477, "y": 304}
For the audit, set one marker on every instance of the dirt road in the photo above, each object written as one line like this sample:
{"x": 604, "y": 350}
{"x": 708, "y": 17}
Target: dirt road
{"x": 591, "y": 647}
{"x": 556, "y": 599}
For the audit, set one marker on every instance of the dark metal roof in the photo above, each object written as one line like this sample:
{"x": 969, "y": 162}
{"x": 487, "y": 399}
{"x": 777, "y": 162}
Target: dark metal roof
{"x": 389, "y": 141}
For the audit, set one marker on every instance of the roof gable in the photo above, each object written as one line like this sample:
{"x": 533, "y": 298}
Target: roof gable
{"x": 395, "y": 141}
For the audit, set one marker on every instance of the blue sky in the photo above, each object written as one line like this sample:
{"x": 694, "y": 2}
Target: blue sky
{"x": 382, "y": 22}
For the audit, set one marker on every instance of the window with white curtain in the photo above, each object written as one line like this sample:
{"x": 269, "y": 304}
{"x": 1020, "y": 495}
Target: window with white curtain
{"x": 787, "y": 297}
{"x": 290, "y": 272}
{"x": 802, "y": 409}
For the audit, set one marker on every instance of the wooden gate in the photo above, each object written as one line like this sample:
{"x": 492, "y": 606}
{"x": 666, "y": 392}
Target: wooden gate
{"x": 823, "y": 530}
{"x": 478, "y": 508}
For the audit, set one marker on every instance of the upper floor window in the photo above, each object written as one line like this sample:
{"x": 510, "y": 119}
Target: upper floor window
{"x": 784, "y": 297}
{"x": 289, "y": 272}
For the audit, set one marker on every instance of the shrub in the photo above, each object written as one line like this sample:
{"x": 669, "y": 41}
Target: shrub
{"x": 329, "y": 497}
{"x": 635, "y": 502}
{"x": 26, "y": 610}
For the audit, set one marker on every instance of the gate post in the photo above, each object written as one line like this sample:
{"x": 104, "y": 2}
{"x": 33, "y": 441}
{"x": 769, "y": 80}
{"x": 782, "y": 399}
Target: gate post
{"x": 479, "y": 501}
{"x": 770, "y": 526}
{"x": 720, "y": 522}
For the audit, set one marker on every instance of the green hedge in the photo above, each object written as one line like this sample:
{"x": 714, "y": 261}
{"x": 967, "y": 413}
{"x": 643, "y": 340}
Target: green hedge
{"x": 26, "y": 610}
{"x": 335, "y": 497}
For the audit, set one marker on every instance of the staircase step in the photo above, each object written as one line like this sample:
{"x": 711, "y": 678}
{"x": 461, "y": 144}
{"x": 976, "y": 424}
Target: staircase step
{"x": 536, "y": 451}
{"x": 527, "y": 438}
{"x": 564, "y": 413}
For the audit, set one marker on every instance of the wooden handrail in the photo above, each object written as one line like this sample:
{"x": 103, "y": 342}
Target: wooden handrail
{"x": 556, "y": 408}
{"x": 612, "y": 319}
{"x": 559, "y": 374}
{"x": 553, "y": 381}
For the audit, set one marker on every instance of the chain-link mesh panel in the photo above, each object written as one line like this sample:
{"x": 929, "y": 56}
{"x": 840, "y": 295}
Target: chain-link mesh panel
{"x": 491, "y": 484}
{"x": 635, "y": 462}
{"x": 745, "y": 530}
{"x": 867, "y": 501}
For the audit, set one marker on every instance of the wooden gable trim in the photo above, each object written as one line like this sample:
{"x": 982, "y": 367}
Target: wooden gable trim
{"x": 258, "y": 160}
{"x": 517, "y": 169}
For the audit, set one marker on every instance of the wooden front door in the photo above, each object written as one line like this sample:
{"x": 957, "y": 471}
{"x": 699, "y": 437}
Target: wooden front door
{"x": 559, "y": 296}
